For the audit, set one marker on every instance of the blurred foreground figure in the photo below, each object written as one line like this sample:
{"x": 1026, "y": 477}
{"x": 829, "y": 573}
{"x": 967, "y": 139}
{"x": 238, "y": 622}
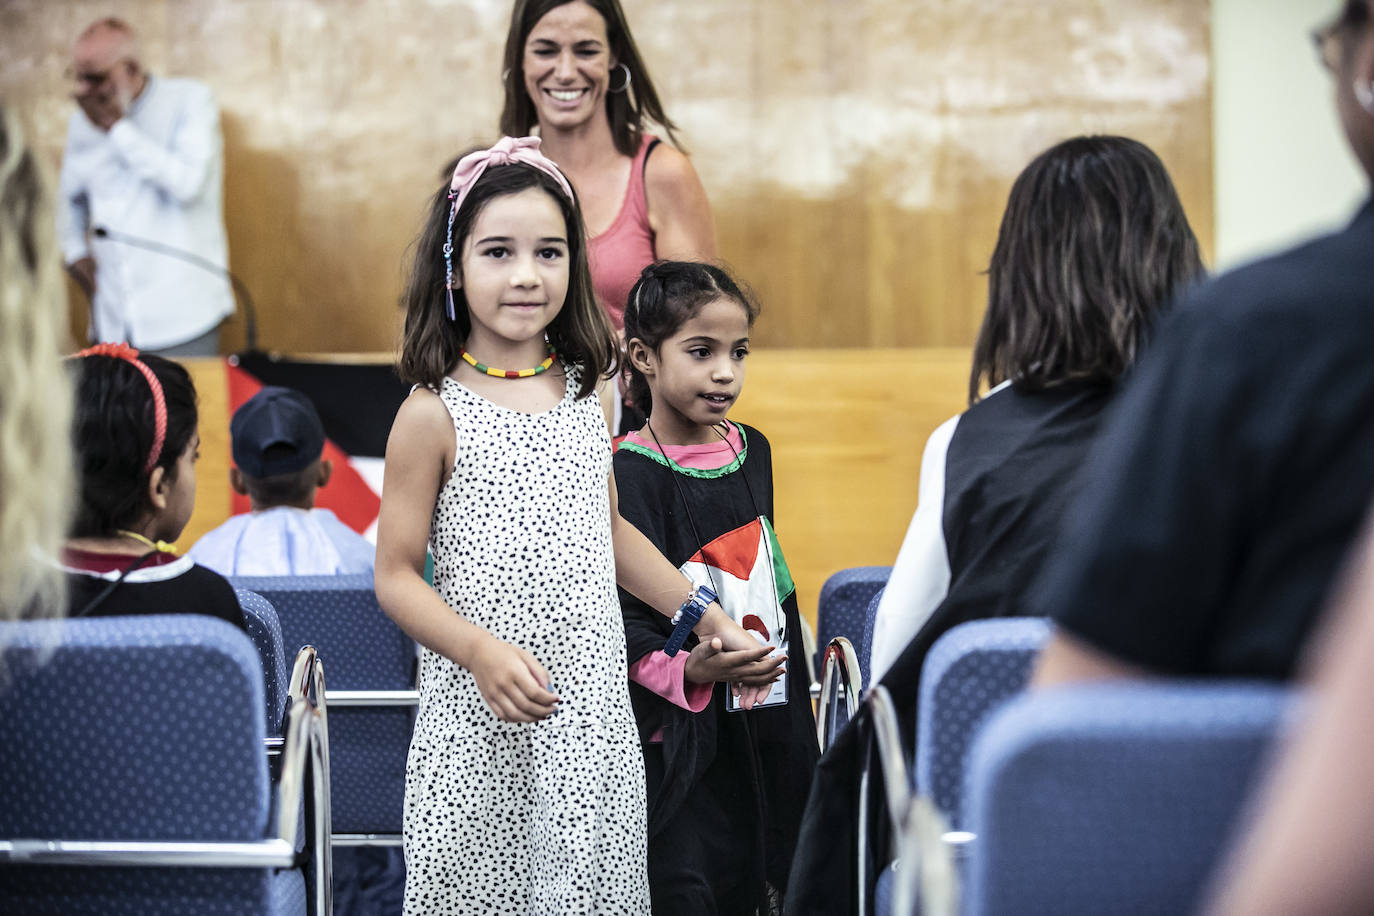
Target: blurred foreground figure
{"x": 1234, "y": 473}
{"x": 1310, "y": 848}
{"x": 36, "y": 478}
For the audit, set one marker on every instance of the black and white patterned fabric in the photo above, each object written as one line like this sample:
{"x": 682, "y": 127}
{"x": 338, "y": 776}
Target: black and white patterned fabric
{"x": 1112, "y": 798}
{"x": 260, "y": 619}
{"x": 970, "y": 671}
{"x": 135, "y": 728}
{"x": 548, "y": 817}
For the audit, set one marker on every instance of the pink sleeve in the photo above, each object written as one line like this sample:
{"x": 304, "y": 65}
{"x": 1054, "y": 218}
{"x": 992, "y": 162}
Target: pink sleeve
{"x": 667, "y": 677}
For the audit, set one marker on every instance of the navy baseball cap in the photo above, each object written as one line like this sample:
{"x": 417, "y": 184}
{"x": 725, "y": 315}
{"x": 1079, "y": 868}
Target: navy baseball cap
{"x": 276, "y": 431}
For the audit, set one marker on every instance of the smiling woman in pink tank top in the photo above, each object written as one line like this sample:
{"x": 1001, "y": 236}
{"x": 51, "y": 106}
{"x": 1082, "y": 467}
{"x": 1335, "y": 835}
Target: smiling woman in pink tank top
{"x": 573, "y": 71}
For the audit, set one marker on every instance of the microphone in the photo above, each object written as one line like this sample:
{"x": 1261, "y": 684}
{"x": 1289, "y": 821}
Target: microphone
{"x": 250, "y": 310}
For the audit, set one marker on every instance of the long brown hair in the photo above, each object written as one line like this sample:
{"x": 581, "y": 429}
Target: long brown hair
{"x": 626, "y": 110}
{"x": 581, "y": 332}
{"x": 1093, "y": 247}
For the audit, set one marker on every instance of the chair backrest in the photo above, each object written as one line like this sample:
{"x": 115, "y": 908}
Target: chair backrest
{"x": 843, "y": 604}
{"x": 968, "y": 673}
{"x": 362, "y": 650}
{"x": 361, "y": 647}
{"x": 865, "y": 646}
{"x": 265, "y": 630}
{"x": 132, "y": 728}
{"x": 1112, "y": 798}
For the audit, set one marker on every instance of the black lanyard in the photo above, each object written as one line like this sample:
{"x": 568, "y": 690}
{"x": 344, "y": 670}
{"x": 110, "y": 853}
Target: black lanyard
{"x": 692, "y": 523}
{"x": 108, "y": 590}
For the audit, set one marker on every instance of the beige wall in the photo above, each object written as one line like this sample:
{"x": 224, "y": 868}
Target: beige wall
{"x": 1283, "y": 168}
{"x": 857, "y": 154}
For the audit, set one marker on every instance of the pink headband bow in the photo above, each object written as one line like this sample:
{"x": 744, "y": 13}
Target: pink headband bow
{"x": 125, "y": 352}
{"x": 508, "y": 150}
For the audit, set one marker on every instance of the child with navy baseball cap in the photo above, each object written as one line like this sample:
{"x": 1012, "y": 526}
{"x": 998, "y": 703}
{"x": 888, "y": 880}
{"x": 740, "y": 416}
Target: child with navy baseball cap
{"x": 277, "y": 442}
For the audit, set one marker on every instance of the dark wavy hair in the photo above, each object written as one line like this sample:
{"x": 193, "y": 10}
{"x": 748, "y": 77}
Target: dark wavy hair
{"x": 113, "y": 435}
{"x": 581, "y": 332}
{"x": 626, "y": 110}
{"x": 1094, "y": 246}
{"x": 666, "y": 296}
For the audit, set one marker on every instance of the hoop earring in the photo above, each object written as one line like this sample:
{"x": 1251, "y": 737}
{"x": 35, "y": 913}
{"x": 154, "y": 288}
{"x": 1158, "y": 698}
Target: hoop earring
{"x": 1364, "y": 95}
{"x": 628, "y": 79}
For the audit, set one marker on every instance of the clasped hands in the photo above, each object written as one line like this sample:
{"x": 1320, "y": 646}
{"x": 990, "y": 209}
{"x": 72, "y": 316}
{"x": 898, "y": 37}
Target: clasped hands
{"x": 750, "y": 671}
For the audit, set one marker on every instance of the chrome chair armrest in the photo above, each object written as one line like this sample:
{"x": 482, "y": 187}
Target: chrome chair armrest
{"x": 374, "y": 698}
{"x": 896, "y": 775}
{"x": 268, "y": 853}
{"x": 840, "y": 677}
{"x": 304, "y": 783}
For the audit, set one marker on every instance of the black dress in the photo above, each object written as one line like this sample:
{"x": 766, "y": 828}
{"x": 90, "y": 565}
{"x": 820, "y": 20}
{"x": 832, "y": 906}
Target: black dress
{"x": 726, "y": 789}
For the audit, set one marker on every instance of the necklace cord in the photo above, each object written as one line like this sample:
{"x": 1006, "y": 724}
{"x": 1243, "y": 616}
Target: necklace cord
{"x": 691, "y": 520}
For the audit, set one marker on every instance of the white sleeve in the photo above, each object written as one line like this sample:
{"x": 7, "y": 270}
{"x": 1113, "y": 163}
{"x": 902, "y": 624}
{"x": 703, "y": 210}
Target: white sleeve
{"x": 183, "y": 168}
{"x": 920, "y": 577}
{"x": 73, "y": 213}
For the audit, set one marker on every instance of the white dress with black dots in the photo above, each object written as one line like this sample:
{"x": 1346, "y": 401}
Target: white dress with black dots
{"x": 548, "y": 817}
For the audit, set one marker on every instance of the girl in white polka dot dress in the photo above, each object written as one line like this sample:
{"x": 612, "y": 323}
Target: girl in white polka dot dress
{"x": 525, "y": 784}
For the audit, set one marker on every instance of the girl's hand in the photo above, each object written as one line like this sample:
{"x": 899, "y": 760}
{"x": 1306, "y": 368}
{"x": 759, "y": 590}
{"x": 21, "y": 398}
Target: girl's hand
{"x": 718, "y": 624}
{"x": 513, "y": 684}
{"x": 710, "y": 662}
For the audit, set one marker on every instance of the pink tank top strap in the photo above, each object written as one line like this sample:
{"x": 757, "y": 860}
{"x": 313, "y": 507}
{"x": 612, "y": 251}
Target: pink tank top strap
{"x": 617, "y": 255}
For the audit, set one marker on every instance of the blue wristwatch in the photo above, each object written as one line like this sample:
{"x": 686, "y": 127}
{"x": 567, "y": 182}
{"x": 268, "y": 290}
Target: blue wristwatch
{"x": 687, "y": 617}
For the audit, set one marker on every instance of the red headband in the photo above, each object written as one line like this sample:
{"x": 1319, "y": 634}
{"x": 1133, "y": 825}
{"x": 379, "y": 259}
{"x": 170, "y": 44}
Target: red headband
{"x": 125, "y": 352}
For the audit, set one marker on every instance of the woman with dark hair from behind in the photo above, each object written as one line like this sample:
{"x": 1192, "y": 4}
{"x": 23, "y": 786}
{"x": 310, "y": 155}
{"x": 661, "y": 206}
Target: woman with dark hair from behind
{"x": 1093, "y": 247}
{"x": 35, "y": 397}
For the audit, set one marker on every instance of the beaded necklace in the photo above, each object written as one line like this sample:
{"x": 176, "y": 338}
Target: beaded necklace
{"x": 507, "y": 373}
{"x": 156, "y": 545}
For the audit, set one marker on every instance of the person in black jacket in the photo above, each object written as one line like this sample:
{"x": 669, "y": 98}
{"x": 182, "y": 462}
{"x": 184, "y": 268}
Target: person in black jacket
{"x": 1093, "y": 247}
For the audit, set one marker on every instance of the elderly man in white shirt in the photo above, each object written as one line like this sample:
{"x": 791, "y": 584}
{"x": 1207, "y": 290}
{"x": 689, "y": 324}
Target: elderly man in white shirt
{"x": 140, "y": 214}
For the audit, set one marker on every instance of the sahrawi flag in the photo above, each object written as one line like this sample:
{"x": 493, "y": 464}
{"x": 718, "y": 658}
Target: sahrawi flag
{"x": 356, "y": 403}
{"x": 750, "y": 577}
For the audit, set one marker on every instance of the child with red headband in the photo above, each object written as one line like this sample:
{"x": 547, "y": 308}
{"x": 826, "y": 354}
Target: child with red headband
{"x": 525, "y": 782}
{"x": 136, "y": 447}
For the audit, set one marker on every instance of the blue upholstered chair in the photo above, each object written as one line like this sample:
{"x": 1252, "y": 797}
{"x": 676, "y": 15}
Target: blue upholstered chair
{"x": 135, "y": 779}
{"x": 372, "y": 696}
{"x": 265, "y": 631}
{"x": 865, "y": 647}
{"x": 968, "y": 673}
{"x": 843, "y": 605}
{"x": 1112, "y": 798}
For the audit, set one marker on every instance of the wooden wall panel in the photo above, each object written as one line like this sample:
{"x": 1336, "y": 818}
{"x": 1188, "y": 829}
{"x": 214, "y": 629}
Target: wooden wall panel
{"x": 857, "y": 152}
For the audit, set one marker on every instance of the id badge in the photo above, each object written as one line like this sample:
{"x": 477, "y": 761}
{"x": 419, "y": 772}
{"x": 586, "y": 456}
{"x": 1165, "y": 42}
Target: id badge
{"x": 777, "y": 696}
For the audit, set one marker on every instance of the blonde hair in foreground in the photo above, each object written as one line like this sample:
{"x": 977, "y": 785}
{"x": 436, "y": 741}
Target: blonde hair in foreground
{"x": 36, "y": 477}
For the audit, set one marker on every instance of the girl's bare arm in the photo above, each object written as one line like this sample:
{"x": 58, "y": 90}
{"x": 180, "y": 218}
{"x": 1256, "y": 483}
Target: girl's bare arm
{"x": 419, "y": 459}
